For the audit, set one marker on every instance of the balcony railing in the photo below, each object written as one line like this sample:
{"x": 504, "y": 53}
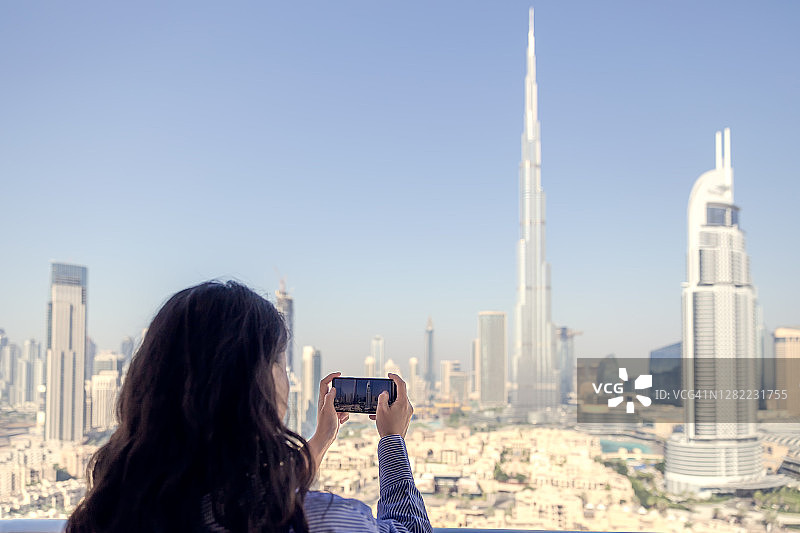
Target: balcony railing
{"x": 57, "y": 526}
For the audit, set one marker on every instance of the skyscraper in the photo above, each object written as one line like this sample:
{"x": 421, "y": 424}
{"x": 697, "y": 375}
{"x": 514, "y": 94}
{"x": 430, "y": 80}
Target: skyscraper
{"x": 447, "y": 368}
{"x": 454, "y": 382}
{"x": 312, "y": 374}
{"x": 565, "y": 354}
{"x": 285, "y": 306}
{"x": 66, "y": 352}
{"x": 32, "y": 350}
{"x": 126, "y": 348}
{"x": 533, "y": 365}
{"x": 492, "y": 335}
{"x": 475, "y": 377}
{"x": 430, "y": 373}
{"x": 369, "y": 367}
{"x": 719, "y": 446}
{"x": 9, "y": 354}
{"x": 377, "y": 349}
{"x": 294, "y": 411}
{"x": 665, "y": 365}
{"x": 414, "y": 381}
{"x": 22, "y": 388}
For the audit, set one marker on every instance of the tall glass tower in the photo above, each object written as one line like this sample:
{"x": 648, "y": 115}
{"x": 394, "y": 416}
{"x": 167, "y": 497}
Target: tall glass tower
{"x": 285, "y": 306}
{"x": 533, "y": 367}
{"x": 719, "y": 446}
{"x": 66, "y": 353}
{"x": 309, "y": 389}
{"x": 430, "y": 372}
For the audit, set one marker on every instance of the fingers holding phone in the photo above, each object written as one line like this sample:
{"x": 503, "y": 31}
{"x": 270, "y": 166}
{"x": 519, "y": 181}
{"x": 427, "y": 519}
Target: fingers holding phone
{"x": 393, "y": 419}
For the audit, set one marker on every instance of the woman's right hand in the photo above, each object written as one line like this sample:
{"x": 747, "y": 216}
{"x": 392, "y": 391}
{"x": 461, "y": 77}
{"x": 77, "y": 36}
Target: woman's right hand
{"x": 393, "y": 419}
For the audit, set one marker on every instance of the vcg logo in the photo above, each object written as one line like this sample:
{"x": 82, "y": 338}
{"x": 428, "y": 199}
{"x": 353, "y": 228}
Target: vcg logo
{"x": 645, "y": 381}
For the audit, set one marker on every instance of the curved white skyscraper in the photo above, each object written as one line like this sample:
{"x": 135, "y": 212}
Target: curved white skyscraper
{"x": 719, "y": 446}
{"x": 533, "y": 366}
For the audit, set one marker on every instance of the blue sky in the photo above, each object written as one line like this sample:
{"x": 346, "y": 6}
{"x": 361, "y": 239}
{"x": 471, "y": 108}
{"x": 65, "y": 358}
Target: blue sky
{"x": 369, "y": 153}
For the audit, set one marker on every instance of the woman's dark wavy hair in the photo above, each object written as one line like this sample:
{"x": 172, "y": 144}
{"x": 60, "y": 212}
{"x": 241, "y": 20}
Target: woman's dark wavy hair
{"x": 199, "y": 430}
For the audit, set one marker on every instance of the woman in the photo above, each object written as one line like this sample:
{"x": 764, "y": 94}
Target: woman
{"x": 201, "y": 445}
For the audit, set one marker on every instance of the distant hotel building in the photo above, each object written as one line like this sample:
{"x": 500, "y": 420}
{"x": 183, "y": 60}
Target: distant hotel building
{"x": 492, "y": 335}
{"x": 105, "y": 386}
{"x": 66, "y": 353}
{"x": 719, "y": 447}
{"x": 787, "y": 364}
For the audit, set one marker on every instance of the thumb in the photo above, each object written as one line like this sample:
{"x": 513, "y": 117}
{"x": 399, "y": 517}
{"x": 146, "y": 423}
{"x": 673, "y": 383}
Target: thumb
{"x": 383, "y": 401}
{"x": 327, "y": 402}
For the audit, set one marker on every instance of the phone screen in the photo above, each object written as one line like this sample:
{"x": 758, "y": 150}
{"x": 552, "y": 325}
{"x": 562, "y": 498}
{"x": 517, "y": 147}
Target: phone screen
{"x": 360, "y": 395}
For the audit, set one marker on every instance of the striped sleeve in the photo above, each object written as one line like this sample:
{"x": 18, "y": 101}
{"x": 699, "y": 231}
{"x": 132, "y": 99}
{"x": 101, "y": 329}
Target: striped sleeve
{"x": 400, "y": 507}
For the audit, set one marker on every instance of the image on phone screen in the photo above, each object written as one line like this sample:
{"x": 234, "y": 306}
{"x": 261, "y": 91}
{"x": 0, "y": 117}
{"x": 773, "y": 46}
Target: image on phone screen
{"x": 360, "y": 395}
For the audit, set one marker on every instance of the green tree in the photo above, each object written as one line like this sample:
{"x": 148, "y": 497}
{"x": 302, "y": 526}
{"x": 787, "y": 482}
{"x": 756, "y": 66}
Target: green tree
{"x": 499, "y": 475}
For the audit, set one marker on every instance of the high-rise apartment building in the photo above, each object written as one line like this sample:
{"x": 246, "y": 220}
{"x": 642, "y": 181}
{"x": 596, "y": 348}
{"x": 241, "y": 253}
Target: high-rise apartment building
{"x": 105, "y": 386}
{"x": 22, "y": 386}
{"x": 312, "y": 374}
{"x": 719, "y": 445}
{"x": 492, "y": 335}
{"x": 534, "y": 369}
{"x": 430, "y": 373}
{"x": 32, "y": 351}
{"x": 9, "y": 355}
{"x": 285, "y": 306}
{"x": 66, "y": 352}
{"x": 377, "y": 350}
{"x": 453, "y": 382}
{"x": 787, "y": 365}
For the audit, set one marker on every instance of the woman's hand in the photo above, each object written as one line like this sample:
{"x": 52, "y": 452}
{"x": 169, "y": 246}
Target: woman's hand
{"x": 393, "y": 419}
{"x": 328, "y": 420}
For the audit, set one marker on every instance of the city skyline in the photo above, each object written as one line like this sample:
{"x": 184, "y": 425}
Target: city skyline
{"x": 623, "y": 141}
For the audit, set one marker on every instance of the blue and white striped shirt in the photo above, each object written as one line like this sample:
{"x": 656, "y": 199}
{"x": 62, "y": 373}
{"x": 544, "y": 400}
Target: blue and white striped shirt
{"x": 400, "y": 507}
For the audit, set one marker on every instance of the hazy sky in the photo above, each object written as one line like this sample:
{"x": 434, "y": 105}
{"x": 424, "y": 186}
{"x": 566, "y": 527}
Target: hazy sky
{"x": 369, "y": 152}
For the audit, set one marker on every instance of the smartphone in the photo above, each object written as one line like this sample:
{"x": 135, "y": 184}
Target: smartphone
{"x": 360, "y": 395}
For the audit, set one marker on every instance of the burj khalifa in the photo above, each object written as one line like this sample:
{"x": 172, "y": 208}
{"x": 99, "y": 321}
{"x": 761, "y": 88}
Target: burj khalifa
{"x": 533, "y": 367}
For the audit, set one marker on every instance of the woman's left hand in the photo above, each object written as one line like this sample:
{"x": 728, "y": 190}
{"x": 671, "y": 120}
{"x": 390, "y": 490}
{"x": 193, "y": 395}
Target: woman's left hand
{"x": 328, "y": 420}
